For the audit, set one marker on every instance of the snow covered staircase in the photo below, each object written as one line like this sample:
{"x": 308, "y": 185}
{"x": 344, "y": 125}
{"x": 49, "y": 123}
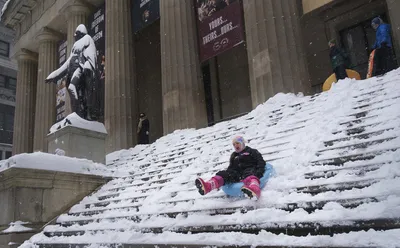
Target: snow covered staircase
{"x": 337, "y": 162}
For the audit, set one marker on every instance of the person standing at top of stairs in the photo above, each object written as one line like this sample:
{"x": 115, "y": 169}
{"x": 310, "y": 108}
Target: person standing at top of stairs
{"x": 245, "y": 165}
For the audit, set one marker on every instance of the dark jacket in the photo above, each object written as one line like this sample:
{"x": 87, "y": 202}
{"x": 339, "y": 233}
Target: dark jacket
{"x": 338, "y": 57}
{"x": 383, "y": 36}
{"x": 144, "y": 132}
{"x": 248, "y": 159}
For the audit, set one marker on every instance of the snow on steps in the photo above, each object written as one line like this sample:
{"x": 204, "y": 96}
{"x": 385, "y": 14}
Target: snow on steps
{"x": 337, "y": 161}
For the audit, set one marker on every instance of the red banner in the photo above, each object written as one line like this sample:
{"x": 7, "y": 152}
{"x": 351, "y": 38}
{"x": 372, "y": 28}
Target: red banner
{"x": 220, "y": 26}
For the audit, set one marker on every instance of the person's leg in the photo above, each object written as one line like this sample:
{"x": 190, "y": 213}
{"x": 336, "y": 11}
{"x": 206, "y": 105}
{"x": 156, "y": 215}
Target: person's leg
{"x": 251, "y": 187}
{"x": 378, "y": 62}
{"x": 73, "y": 89}
{"x": 217, "y": 181}
{"x": 340, "y": 72}
{"x": 389, "y": 62}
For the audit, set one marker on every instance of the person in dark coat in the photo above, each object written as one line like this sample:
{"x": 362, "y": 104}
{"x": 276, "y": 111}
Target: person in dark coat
{"x": 383, "y": 59}
{"x": 245, "y": 165}
{"x": 338, "y": 60}
{"x": 143, "y": 129}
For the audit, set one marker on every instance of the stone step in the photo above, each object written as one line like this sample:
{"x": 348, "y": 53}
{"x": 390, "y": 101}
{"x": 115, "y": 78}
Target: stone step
{"x": 199, "y": 245}
{"x": 364, "y": 113}
{"x": 289, "y": 228}
{"x": 307, "y": 206}
{"x": 310, "y": 206}
{"x": 360, "y": 135}
{"x": 339, "y": 161}
{"x": 353, "y": 122}
{"x": 359, "y": 145}
{"x": 356, "y": 170}
{"x": 292, "y": 228}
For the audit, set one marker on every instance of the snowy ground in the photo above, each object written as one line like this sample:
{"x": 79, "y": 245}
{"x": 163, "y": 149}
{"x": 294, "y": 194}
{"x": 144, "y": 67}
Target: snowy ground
{"x": 45, "y": 161}
{"x": 338, "y": 149}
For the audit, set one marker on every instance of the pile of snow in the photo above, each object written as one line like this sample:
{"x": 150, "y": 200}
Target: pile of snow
{"x": 16, "y": 227}
{"x": 50, "y": 162}
{"x": 76, "y": 121}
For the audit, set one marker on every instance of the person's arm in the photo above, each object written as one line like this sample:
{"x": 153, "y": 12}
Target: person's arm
{"x": 377, "y": 39}
{"x": 258, "y": 157}
{"x": 231, "y": 166}
{"x": 59, "y": 73}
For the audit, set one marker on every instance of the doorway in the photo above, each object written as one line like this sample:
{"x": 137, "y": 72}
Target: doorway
{"x": 357, "y": 41}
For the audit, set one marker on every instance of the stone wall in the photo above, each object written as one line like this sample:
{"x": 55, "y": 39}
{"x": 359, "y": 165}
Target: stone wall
{"x": 38, "y": 196}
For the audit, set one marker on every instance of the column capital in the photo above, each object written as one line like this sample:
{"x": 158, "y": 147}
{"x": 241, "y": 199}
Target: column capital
{"x": 76, "y": 7}
{"x": 47, "y": 34}
{"x": 25, "y": 54}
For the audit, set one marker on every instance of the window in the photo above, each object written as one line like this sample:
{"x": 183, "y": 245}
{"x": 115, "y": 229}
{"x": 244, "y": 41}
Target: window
{"x": 8, "y": 82}
{"x": 8, "y": 155}
{"x": 12, "y": 84}
{"x": 2, "y": 121}
{"x": 2, "y": 81}
{"x": 9, "y": 122}
{"x": 4, "y": 48}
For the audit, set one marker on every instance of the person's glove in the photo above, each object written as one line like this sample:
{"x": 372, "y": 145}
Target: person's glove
{"x": 147, "y": 132}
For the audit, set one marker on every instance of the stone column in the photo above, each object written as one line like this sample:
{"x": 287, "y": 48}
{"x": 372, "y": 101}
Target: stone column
{"x": 76, "y": 13}
{"x": 45, "y": 114}
{"x": 182, "y": 85}
{"x": 24, "y": 118}
{"x": 393, "y": 9}
{"x": 274, "y": 48}
{"x": 120, "y": 84}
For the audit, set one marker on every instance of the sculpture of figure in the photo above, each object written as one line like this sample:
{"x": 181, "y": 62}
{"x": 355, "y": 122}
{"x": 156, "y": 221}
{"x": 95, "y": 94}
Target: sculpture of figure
{"x": 80, "y": 69}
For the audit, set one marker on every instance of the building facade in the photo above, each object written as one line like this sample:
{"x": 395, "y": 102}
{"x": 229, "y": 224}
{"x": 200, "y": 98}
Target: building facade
{"x": 8, "y": 84}
{"x": 192, "y": 66}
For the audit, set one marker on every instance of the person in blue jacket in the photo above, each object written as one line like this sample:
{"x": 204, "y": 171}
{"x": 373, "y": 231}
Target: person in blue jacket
{"x": 383, "y": 46}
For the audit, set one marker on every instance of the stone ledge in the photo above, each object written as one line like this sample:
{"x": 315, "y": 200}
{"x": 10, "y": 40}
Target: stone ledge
{"x": 39, "y": 196}
{"x": 76, "y": 130}
{"x": 22, "y": 177}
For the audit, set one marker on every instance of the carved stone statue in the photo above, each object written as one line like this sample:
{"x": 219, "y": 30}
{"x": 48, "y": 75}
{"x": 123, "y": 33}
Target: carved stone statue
{"x": 81, "y": 70}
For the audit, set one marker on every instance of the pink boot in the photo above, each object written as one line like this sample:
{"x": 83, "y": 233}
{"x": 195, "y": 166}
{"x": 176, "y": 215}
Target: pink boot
{"x": 205, "y": 187}
{"x": 251, "y": 187}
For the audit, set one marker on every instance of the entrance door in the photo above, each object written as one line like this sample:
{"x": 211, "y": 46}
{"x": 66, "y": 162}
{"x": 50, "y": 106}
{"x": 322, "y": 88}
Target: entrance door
{"x": 208, "y": 93}
{"x": 357, "y": 41}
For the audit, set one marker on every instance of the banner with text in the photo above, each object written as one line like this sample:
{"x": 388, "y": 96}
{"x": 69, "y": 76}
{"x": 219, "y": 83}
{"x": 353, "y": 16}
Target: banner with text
{"x": 97, "y": 29}
{"x": 61, "y": 83}
{"x": 144, "y": 13}
{"x": 220, "y": 26}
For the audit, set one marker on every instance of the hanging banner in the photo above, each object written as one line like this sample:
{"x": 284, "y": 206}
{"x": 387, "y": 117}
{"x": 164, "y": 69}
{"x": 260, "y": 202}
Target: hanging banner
{"x": 220, "y": 26}
{"x": 144, "y": 13}
{"x": 97, "y": 29}
{"x": 61, "y": 83}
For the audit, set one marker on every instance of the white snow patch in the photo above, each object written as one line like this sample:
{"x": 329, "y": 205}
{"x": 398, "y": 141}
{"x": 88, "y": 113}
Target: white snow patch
{"x": 16, "y": 227}
{"x": 78, "y": 122}
{"x": 50, "y": 162}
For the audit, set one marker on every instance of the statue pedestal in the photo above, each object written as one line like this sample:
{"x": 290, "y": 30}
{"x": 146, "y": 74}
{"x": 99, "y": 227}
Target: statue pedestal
{"x": 78, "y": 142}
